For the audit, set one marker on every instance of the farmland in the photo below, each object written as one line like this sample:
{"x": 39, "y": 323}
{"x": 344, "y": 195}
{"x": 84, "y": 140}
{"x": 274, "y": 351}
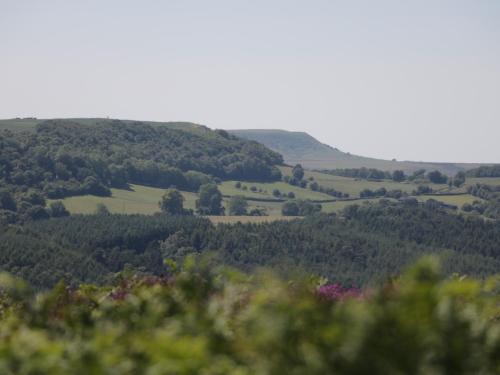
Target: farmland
{"x": 137, "y": 200}
{"x": 144, "y": 200}
{"x": 455, "y": 200}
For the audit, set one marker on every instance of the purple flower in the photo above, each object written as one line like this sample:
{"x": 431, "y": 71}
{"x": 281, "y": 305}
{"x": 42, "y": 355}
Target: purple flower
{"x": 336, "y": 292}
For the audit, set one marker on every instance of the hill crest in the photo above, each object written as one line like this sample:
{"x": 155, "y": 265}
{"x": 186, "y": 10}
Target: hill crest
{"x": 301, "y": 147}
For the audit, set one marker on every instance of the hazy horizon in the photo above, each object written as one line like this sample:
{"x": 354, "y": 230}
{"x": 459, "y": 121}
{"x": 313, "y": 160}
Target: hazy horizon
{"x": 417, "y": 81}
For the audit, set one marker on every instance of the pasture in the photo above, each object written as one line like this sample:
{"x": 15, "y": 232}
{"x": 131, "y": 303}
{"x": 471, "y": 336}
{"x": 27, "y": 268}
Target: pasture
{"x": 138, "y": 200}
{"x": 340, "y": 205}
{"x": 354, "y": 186}
{"x": 494, "y": 181}
{"x": 456, "y": 200}
{"x": 228, "y": 188}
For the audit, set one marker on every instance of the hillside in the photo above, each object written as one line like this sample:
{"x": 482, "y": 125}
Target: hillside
{"x": 62, "y": 158}
{"x": 300, "y": 147}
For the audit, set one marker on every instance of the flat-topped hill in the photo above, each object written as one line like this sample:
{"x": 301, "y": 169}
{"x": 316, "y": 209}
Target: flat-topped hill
{"x": 300, "y": 147}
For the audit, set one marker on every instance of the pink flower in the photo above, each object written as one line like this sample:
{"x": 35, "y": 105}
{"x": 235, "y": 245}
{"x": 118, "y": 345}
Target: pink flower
{"x": 336, "y": 292}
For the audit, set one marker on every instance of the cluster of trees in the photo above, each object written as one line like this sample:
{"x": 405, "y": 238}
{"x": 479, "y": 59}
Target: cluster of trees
{"x": 297, "y": 179}
{"x": 484, "y": 191}
{"x": 435, "y": 177}
{"x": 300, "y": 207}
{"x": 369, "y": 174}
{"x": 238, "y": 206}
{"x": 205, "y": 320}
{"x": 362, "y": 245}
{"x": 486, "y": 208}
{"x": 64, "y": 158}
{"x": 172, "y": 203}
{"x": 253, "y": 188}
{"x": 382, "y": 192}
{"x": 210, "y": 202}
{"x": 30, "y": 205}
{"x": 485, "y": 171}
{"x": 314, "y": 186}
{"x": 423, "y": 189}
{"x": 362, "y": 173}
{"x": 489, "y": 205}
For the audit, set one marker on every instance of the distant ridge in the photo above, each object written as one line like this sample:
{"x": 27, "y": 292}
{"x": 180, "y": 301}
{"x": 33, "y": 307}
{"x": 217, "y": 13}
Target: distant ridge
{"x": 296, "y": 147}
{"x": 300, "y": 147}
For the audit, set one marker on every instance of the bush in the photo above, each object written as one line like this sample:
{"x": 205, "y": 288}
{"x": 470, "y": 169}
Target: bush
{"x": 300, "y": 208}
{"x": 205, "y": 321}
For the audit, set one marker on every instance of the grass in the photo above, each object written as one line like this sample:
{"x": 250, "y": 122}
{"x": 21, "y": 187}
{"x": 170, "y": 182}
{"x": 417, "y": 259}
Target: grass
{"x": 354, "y": 186}
{"x": 228, "y": 188}
{"x": 138, "y": 200}
{"x": 457, "y": 200}
{"x": 17, "y": 125}
{"x": 144, "y": 199}
{"x": 249, "y": 219}
{"x": 340, "y": 205}
{"x": 494, "y": 181}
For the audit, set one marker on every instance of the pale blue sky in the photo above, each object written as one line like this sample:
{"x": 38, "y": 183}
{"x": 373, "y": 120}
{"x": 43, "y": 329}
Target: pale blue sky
{"x": 415, "y": 80}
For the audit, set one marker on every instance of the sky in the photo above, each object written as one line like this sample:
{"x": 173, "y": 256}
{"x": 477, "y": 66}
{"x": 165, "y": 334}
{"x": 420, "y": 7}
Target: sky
{"x": 411, "y": 80}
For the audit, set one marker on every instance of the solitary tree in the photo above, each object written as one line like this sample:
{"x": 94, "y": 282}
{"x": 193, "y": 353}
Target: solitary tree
{"x": 238, "y": 206}
{"x": 209, "y": 201}
{"x": 101, "y": 209}
{"x": 172, "y": 202}
{"x": 290, "y": 208}
{"x": 459, "y": 179}
{"x": 57, "y": 209}
{"x": 398, "y": 176}
{"x": 298, "y": 172}
{"x": 437, "y": 177}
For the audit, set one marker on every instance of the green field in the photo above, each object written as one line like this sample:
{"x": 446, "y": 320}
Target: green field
{"x": 228, "y": 188}
{"x": 138, "y": 200}
{"x": 354, "y": 186}
{"x": 340, "y": 205}
{"x": 144, "y": 199}
{"x": 17, "y": 125}
{"x": 457, "y": 200}
{"x": 494, "y": 181}
{"x": 249, "y": 219}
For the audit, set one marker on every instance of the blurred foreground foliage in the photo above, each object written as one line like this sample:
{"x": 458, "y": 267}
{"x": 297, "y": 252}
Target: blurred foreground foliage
{"x": 206, "y": 320}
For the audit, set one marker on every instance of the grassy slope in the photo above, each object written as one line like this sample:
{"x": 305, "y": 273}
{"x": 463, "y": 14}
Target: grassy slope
{"x": 140, "y": 199}
{"x": 494, "y": 181}
{"x": 354, "y": 186}
{"x": 456, "y": 200}
{"x": 228, "y": 188}
{"x": 143, "y": 199}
